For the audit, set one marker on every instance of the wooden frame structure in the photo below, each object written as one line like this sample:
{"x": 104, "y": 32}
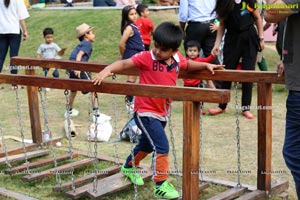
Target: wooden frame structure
{"x": 191, "y": 111}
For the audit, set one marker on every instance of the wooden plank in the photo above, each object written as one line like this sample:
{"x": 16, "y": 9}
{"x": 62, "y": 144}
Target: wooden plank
{"x": 86, "y": 179}
{"x": 280, "y": 186}
{"x": 19, "y": 150}
{"x": 229, "y": 194}
{"x": 78, "y": 193}
{"x": 254, "y": 195}
{"x": 114, "y": 184}
{"x": 111, "y": 87}
{"x": 191, "y": 148}
{"x": 226, "y": 75}
{"x": 19, "y": 157}
{"x": 39, "y": 163}
{"x": 264, "y": 136}
{"x": 227, "y": 183}
{"x": 61, "y": 169}
{"x": 203, "y": 186}
{"x": 14, "y": 195}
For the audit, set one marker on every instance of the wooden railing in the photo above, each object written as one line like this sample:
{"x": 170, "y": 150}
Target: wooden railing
{"x": 190, "y": 96}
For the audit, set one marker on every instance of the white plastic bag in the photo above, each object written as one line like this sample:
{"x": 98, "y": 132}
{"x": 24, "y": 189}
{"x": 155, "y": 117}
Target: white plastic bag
{"x": 104, "y": 129}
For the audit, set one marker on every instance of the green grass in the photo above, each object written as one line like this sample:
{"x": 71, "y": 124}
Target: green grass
{"x": 219, "y": 145}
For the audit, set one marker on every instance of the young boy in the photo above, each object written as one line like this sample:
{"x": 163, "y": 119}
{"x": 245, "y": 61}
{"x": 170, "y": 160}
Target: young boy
{"x": 49, "y": 50}
{"x": 144, "y": 24}
{"x": 159, "y": 66}
{"x": 192, "y": 51}
{"x": 82, "y": 52}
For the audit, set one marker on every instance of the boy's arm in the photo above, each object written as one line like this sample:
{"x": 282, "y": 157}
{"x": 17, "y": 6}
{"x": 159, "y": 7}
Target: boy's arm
{"x": 194, "y": 66}
{"x": 109, "y": 70}
{"x": 207, "y": 59}
{"x": 78, "y": 58}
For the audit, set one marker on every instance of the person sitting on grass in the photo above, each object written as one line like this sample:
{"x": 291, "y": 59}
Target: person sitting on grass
{"x": 159, "y": 66}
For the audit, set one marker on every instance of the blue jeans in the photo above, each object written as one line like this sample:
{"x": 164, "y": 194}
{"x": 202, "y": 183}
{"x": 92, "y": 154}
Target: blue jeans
{"x": 291, "y": 148}
{"x": 155, "y": 128}
{"x": 11, "y": 41}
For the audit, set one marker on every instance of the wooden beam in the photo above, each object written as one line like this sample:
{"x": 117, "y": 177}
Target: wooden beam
{"x": 14, "y": 195}
{"x": 264, "y": 139}
{"x": 226, "y": 75}
{"x": 61, "y": 169}
{"x": 39, "y": 163}
{"x": 191, "y": 148}
{"x": 21, "y": 157}
{"x": 87, "y": 179}
{"x": 159, "y": 91}
{"x": 34, "y": 112}
{"x": 230, "y": 194}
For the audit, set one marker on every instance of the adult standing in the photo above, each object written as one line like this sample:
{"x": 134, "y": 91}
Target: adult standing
{"x": 197, "y": 16}
{"x": 242, "y": 42}
{"x": 12, "y": 26}
{"x": 290, "y": 66}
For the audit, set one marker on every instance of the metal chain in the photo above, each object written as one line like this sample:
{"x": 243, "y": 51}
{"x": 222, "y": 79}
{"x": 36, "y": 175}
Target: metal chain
{"x": 133, "y": 166}
{"x": 238, "y": 137}
{"x": 47, "y": 130}
{"x": 90, "y": 119}
{"x": 201, "y": 143}
{"x": 116, "y": 151}
{"x": 169, "y": 117}
{"x": 95, "y": 182}
{"x": 22, "y": 131}
{"x": 5, "y": 148}
{"x": 66, "y": 93}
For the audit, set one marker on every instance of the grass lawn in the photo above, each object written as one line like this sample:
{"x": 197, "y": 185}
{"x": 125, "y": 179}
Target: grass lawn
{"x": 219, "y": 143}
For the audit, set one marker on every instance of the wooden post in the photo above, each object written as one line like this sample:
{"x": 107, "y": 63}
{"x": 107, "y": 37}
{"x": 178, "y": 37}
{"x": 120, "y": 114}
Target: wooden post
{"x": 33, "y": 103}
{"x": 264, "y": 157}
{"x": 191, "y": 148}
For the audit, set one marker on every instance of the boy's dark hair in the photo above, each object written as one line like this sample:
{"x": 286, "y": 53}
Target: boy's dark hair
{"x": 48, "y": 31}
{"x": 125, "y": 21}
{"x": 192, "y": 43}
{"x": 141, "y": 8}
{"x": 168, "y": 35}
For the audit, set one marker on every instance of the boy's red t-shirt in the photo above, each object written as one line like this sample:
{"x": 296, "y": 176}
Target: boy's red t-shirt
{"x": 154, "y": 72}
{"x": 195, "y": 82}
{"x": 146, "y": 27}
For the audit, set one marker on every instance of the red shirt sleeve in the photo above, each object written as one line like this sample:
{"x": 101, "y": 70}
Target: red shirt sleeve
{"x": 208, "y": 59}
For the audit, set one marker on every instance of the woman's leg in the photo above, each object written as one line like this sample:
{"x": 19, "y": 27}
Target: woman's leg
{"x": 14, "y": 45}
{"x": 4, "y": 48}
